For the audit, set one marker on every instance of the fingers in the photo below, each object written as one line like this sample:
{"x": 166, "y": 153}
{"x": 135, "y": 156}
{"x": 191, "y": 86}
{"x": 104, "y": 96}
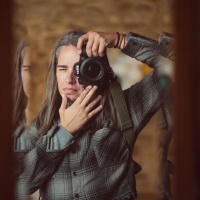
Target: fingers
{"x": 83, "y": 39}
{"x": 89, "y": 96}
{"x": 99, "y": 46}
{"x": 102, "y": 48}
{"x": 83, "y": 94}
{"x": 64, "y": 103}
{"x": 96, "y": 44}
{"x": 95, "y": 111}
{"x": 93, "y": 103}
{"x": 89, "y": 46}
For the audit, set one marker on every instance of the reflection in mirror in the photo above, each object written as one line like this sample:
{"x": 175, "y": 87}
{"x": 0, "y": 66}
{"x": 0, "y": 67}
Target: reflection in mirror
{"x": 24, "y": 74}
{"x": 21, "y": 94}
{"x": 45, "y": 22}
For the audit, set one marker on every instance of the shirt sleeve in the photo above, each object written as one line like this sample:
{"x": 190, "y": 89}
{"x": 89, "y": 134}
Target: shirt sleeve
{"x": 19, "y": 150}
{"x": 146, "y": 97}
{"x": 143, "y": 100}
{"x": 42, "y": 161}
{"x": 142, "y": 49}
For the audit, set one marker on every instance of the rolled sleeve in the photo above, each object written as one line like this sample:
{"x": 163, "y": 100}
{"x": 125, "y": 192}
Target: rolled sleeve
{"x": 60, "y": 140}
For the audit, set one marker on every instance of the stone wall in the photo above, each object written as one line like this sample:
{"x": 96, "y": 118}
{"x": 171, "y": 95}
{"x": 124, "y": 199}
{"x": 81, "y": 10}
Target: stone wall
{"x": 43, "y": 21}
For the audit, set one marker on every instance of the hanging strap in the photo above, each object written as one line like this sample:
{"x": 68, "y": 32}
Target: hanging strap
{"x": 123, "y": 118}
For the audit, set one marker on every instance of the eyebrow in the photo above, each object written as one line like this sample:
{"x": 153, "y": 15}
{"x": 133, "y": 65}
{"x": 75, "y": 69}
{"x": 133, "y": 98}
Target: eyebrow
{"x": 63, "y": 66}
{"x": 26, "y": 66}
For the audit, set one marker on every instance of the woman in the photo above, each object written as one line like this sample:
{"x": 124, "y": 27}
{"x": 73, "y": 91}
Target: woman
{"x": 21, "y": 94}
{"x": 21, "y": 113}
{"x": 21, "y": 88}
{"x": 80, "y": 152}
{"x": 21, "y": 84}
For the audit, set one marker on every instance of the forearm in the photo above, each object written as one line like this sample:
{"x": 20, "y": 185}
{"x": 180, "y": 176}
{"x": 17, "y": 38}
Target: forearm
{"x": 153, "y": 53}
{"x": 145, "y": 49}
{"x": 141, "y": 48}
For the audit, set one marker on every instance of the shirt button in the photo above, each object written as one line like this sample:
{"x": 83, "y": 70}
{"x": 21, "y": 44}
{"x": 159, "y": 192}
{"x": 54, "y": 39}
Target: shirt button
{"x": 73, "y": 151}
{"x": 74, "y": 173}
{"x": 77, "y": 195}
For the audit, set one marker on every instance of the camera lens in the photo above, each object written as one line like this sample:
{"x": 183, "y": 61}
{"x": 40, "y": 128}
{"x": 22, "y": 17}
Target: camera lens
{"x": 93, "y": 70}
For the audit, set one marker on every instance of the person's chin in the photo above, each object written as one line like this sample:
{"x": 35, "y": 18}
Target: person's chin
{"x": 71, "y": 97}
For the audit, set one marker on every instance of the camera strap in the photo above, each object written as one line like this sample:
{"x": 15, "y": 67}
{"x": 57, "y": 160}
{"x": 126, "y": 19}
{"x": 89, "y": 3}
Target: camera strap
{"x": 123, "y": 117}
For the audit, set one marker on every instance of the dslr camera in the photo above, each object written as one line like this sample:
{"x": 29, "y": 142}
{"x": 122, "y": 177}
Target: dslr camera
{"x": 93, "y": 70}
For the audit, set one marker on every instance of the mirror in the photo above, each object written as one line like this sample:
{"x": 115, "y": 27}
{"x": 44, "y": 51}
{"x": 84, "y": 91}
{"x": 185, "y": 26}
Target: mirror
{"x": 44, "y": 22}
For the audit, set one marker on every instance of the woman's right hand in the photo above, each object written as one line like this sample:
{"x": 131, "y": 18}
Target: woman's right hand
{"x": 97, "y": 42}
{"x": 81, "y": 111}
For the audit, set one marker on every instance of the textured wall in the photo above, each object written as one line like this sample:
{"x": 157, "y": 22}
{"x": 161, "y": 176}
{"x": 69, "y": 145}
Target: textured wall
{"x": 43, "y": 21}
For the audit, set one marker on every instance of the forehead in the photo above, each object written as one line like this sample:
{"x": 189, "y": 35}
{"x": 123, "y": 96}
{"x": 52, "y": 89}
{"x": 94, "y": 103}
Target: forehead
{"x": 26, "y": 56}
{"x": 68, "y": 54}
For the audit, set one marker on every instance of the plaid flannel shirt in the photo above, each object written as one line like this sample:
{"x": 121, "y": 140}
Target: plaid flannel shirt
{"x": 91, "y": 165}
{"x": 19, "y": 152}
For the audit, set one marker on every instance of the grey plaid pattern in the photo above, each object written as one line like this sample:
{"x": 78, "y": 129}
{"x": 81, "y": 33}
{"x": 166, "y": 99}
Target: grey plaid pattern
{"x": 19, "y": 152}
{"x": 92, "y": 168}
{"x": 166, "y": 136}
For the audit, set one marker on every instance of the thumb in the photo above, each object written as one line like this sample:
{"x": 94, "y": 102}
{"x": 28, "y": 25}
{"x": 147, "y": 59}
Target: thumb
{"x": 63, "y": 103}
{"x": 81, "y": 41}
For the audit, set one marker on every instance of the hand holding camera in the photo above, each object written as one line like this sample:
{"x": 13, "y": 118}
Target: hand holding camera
{"x": 93, "y": 67}
{"x": 97, "y": 42}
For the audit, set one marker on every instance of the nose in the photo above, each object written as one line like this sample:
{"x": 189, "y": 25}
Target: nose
{"x": 70, "y": 77}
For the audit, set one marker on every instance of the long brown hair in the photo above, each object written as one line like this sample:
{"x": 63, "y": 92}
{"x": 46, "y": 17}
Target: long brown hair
{"x": 19, "y": 97}
{"x": 49, "y": 115}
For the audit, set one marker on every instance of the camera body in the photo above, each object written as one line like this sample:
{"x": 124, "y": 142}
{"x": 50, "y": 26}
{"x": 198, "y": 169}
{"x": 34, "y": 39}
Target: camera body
{"x": 93, "y": 70}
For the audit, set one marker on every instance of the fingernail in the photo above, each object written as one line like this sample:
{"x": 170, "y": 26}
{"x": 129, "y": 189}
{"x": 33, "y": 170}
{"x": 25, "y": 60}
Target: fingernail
{"x": 79, "y": 51}
{"x": 89, "y": 87}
